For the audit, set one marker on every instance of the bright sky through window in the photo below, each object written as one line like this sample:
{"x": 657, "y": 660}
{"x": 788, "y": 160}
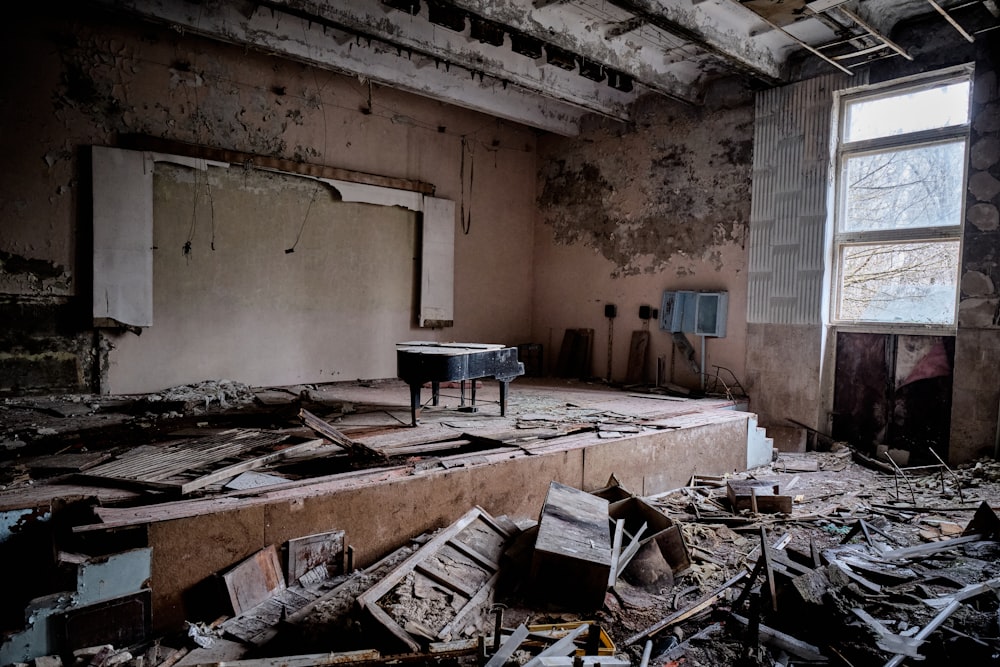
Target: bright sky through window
{"x": 925, "y": 109}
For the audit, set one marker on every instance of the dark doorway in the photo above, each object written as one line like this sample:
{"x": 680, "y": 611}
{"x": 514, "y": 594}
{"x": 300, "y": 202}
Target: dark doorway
{"x": 894, "y": 390}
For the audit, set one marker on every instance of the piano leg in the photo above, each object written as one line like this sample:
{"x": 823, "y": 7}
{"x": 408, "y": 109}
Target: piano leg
{"x": 473, "y": 391}
{"x": 415, "y": 402}
{"x": 461, "y": 403}
{"x": 503, "y": 397}
{"x": 435, "y": 392}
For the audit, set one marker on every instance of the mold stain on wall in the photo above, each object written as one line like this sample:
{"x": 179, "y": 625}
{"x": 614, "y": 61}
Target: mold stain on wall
{"x": 673, "y": 184}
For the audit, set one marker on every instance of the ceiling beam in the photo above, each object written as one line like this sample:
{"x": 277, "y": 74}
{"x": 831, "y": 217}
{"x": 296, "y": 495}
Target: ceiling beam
{"x": 721, "y": 28}
{"x": 310, "y": 42}
{"x": 558, "y": 25}
{"x": 418, "y": 34}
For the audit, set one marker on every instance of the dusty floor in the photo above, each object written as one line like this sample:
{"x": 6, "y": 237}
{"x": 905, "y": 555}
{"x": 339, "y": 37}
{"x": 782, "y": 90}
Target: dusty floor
{"x": 840, "y": 585}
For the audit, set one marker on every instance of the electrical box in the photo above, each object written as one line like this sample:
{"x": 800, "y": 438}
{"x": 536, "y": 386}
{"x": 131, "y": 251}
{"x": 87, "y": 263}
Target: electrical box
{"x": 701, "y": 313}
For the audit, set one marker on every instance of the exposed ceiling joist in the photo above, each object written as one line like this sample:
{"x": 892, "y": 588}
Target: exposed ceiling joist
{"x": 725, "y": 29}
{"x": 297, "y": 38}
{"x": 476, "y": 52}
{"x": 558, "y": 25}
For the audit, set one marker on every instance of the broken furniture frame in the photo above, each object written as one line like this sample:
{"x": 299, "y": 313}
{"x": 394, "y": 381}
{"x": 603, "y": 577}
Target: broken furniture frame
{"x": 473, "y": 544}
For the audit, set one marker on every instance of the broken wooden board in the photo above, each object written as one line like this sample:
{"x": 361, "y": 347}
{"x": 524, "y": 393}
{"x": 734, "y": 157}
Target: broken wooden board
{"x": 635, "y": 372}
{"x": 445, "y": 587}
{"x": 338, "y": 438}
{"x": 260, "y": 624}
{"x": 190, "y": 465}
{"x": 757, "y": 495}
{"x": 306, "y": 553}
{"x": 660, "y": 528}
{"x": 571, "y": 563}
{"x": 254, "y": 580}
{"x": 552, "y": 631}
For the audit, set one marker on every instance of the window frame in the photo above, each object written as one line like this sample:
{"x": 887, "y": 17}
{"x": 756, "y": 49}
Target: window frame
{"x": 842, "y": 151}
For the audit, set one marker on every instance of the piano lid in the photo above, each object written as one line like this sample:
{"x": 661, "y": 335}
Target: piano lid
{"x": 431, "y": 347}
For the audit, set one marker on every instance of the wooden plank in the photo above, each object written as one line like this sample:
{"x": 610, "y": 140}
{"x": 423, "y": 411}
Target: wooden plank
{"x": 149, "y": 465}
{"x": 440, "y": 577}
{"x": 305, "y": 553}
{"x": 338, "y": 438}
{"x": 683, "y": 614}
{"x": 389, "y": 623}
{"x": 768, "y": 570}
{"x": 564, "y": 646}
{"x": 616, "y": 549}
{"x": 631, "y": 550}
{"x": 635, "y": 372}
{"x": 425, "y": 552}
{"x": 481, "y": 598}
{"x": 481, "y": 559}
{"x": 254, "y": 580}
{"x": 785, "y": 642}
{"x": 928, "y": 549}
{"x": 507, "y": 649}
{"x": 231, "y": 471}
{"x": 306, "y": 660}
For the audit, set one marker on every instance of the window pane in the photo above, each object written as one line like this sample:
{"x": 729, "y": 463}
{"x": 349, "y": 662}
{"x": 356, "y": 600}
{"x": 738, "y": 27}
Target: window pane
{"x": 901, "y": 283}
{"x": 904, "y": 189}
{"x": 922, "y": 109}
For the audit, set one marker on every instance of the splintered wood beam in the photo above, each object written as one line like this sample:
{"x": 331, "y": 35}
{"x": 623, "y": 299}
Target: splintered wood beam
{"x": 785, "y": 642}
{"x": 330, "y": 433}
{"x": 564, "y": 646}
{"x": 931, "y": 548}
{"x": 687, "y": 612}
{"x": 768, "y": 570}
{"x": 928, "y": 630}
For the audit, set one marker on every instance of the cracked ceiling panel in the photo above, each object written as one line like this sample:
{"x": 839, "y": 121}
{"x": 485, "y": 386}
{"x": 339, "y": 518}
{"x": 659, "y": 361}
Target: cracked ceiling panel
{"x": 547, "y": 63}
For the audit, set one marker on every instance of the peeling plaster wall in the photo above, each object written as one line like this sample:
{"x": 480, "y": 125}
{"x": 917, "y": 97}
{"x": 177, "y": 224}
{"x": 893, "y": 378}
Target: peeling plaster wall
{"x": 628, "y": 211}
{"x": 975, "y": 416}
{"x": 85, "y": 77}
{"x": 976, "y": 386}
{"x": 783, "y": 360}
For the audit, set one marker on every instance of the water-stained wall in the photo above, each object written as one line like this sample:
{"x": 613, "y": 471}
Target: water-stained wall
{"x": 628, "y": 211}
{"x": 86, "y": 78}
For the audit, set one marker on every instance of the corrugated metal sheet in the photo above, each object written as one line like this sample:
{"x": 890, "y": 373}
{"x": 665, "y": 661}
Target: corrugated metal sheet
{"x": 789, "y": 200}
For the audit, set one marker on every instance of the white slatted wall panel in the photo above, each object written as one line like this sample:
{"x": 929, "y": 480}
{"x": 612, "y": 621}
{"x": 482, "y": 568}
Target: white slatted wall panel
{"x": 789, "y": 200}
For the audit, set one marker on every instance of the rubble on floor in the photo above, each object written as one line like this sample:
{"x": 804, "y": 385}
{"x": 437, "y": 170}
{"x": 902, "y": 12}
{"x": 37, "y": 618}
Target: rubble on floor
{"x": 855, "y": 574}
{"x": 814, "y": 559}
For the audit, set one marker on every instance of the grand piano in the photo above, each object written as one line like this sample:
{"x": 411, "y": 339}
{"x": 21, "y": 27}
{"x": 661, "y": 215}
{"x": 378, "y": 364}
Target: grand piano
{"x": 418, "y": 362}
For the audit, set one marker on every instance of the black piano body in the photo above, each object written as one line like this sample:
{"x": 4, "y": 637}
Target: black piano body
{"x": 419, "y": 362}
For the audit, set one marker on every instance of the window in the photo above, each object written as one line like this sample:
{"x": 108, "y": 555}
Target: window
{"x": 901, "y": 159}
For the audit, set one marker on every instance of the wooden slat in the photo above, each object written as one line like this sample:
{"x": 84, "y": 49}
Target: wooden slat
{"x": 477, "y": 600}
{"x": 151, "y": 464}
{"x": 481, "y": 559}
{"x": 440, "y": 577}
{"x": 259, "y": 462}
{"x": 425, "y": 552}
{"x": 338, "y": 438}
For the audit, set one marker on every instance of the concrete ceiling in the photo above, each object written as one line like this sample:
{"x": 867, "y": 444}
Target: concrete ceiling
{"x": 546, "y": 63}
